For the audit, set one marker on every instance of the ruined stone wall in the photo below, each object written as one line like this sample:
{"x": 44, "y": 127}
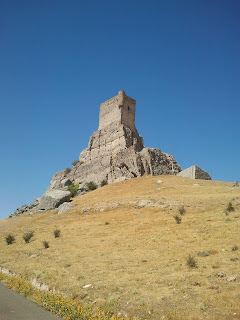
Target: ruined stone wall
{"x": 128, "y": 112}
{"x": 118, "y": 110}
{"x": 109, "y": 113}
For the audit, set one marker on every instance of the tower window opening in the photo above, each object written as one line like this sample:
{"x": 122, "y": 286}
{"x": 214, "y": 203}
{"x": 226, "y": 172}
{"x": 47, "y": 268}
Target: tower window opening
{"x": 128, "y": 108}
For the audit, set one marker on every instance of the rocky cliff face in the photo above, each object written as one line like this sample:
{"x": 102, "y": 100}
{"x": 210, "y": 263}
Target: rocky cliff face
{"x": 116, "y": 151}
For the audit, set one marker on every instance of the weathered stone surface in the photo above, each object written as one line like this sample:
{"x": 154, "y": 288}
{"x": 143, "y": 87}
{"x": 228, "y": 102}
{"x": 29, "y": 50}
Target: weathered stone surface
{"x": 194, "y": 172}
{"x": 53, "y": 199}
{"x": 116, "y": 151}
{"x": 82, "y": 189}
{"x": 19, "y": 211}
{"x": 64, "y": 207}
{"x": 36, "y": 202}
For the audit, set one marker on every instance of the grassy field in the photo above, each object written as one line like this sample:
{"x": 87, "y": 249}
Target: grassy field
{"x": 123, "y": 241}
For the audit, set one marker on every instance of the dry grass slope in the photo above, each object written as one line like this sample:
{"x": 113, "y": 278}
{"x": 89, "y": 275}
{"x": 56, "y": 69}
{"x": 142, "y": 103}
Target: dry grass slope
{"x": 128, "y": 246}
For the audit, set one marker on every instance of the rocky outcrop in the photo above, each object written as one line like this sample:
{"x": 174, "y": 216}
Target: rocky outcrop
{"x": 64, "y": 207}
{"x": 19, "y": 211}
{"x": 53, "y": 199}
{"x": 116, "y": 151}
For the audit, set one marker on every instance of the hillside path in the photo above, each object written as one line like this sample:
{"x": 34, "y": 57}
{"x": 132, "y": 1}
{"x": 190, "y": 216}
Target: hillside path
{"x": 15, "y": 307}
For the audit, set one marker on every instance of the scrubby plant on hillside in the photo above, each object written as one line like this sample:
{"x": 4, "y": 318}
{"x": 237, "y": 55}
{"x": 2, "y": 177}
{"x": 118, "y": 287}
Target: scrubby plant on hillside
{"x": 178, "y": 219}
{"x": 73, "y": 189}
{"x": 75, "y": 162}
{"x": 45, "y": 244}
{"x": 181, "y": 210}
{"x": 57, "y": 233}
{"x": 27, "y": 236}
{"x": 104, "y": 183}
{"x": 10, "y": 239}
{"x": 191, "y": 262}
{"x": 67, "y": 170}
{"x": 91, "y": 185}
{"x": 230, "y": 207}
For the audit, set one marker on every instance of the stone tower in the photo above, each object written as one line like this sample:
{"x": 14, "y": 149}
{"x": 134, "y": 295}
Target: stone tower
{"x": 116, "y": 129}
{"x": 118, "y": 110}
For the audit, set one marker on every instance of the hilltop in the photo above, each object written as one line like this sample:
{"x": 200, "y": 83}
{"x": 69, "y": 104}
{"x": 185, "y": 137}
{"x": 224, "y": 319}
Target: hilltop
{"x": 123, "y": 241}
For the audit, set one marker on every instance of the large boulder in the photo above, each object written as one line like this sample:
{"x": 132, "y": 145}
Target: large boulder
{"x": 53, "y": 199}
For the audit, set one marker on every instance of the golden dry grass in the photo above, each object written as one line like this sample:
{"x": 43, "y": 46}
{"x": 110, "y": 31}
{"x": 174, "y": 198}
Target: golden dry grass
{"x": 133, "y": 253}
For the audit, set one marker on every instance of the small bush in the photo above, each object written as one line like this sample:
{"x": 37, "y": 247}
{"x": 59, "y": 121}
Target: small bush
{"x": 91, "y": 185}
{"x": 27, "y": 236}
{"x": 104, "y": 183}
{"x": 235, "y": 248}
{"x": 10, "y": 239}
{"x": 181, "y": 210}
{"x": 73, "y": 189}
{"x": 57, "y": 233}
{"x": 75, "y": 162}
{"x": 191, "y": 262}
{"x": 107, "y": 223}
{"x": 230, "y": 207}
{"x": 45, "y": 244}
{"x": 67, "y": 170}
{"x": 178, "y": 219}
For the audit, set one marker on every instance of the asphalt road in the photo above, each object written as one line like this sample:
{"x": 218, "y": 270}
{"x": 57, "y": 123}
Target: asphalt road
{"x": 16, "y": 307}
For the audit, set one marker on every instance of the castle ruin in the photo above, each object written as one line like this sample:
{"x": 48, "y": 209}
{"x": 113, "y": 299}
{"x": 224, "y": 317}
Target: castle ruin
{"x": 116, "y": 151}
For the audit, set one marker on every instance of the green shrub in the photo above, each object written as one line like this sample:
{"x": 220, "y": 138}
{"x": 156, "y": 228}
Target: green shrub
{"x": 46, "y": 244}
{"x": 73, "y": 189}
{"x": 57, "y": 233}
{"x": 10, "y": 239}
{"x": 67, "y": 170}
{"x": 230, "y": 207}
{"x": 27, "y": 236}
{"x": 104, "y": 183}
{"x": 181, "y": 210}
{"x": 75, "y": 162}
{"x": 191, "y": 262}
{"x": 178, "y": 219}
{"x": 91, "y": 185}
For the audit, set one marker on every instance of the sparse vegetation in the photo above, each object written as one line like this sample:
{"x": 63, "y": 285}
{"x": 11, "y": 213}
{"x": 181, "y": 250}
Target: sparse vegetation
{"x": 67, "y": 170}
{"x": 191, "y": 262}
{"x": 178, "y": 219}
{"x": 57, "y": 233}
{"x": 235, "y": 248}
{"x": 75, "y": 162}
{"x": 20, "y": 285}
{"x": 181, "y": 210}
{"x": 28, "y": 236}
{"x": 10, "y": 239}
{"x": 45, "y": 244}
{"x": 91, "y": 185}
{"x": 73, "y": 189}
{"x": 104, "y": 183}
{"x": 143, "y": 236}
{"x": 230, "y": 207}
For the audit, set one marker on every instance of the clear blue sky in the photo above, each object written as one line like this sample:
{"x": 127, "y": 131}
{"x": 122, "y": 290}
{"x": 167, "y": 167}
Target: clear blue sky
{"x": 180, "y": 60}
